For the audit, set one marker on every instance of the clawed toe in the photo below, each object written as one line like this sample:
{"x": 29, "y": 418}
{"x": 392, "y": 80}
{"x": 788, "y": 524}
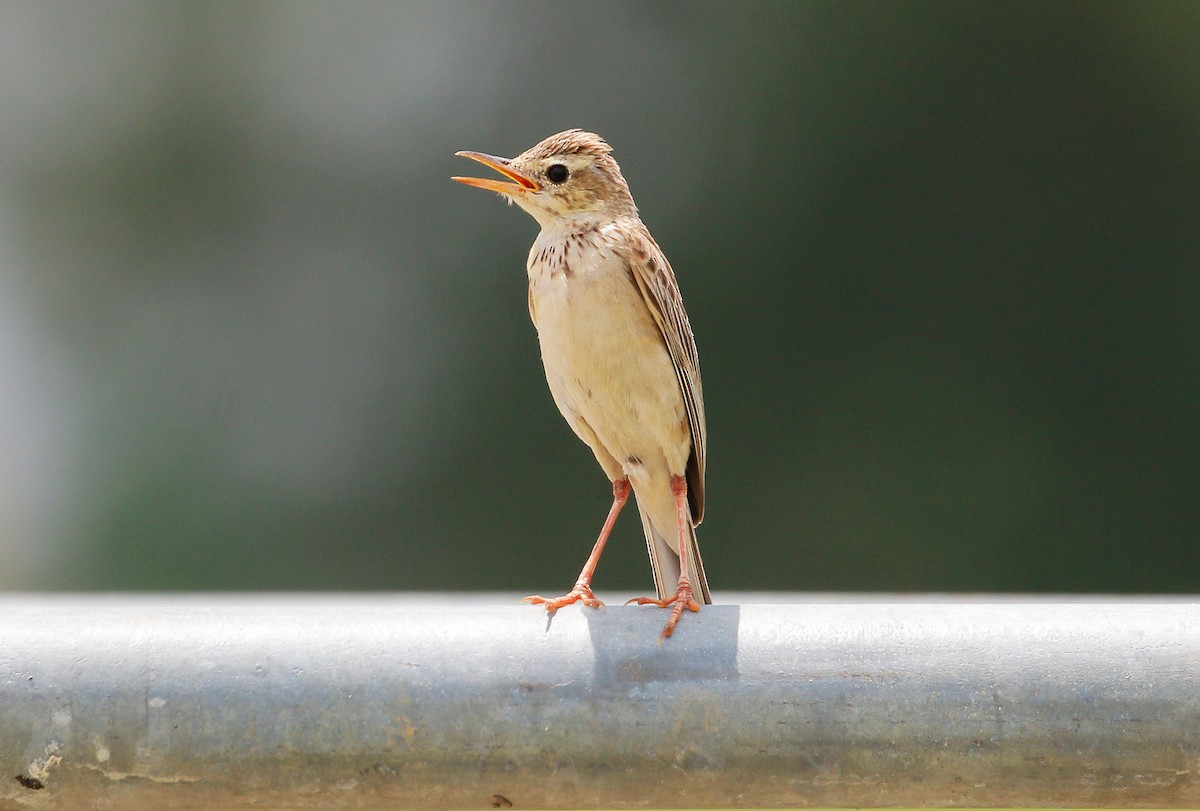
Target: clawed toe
{"x": 579, "y": 594}
{"x": 682, "y": 599}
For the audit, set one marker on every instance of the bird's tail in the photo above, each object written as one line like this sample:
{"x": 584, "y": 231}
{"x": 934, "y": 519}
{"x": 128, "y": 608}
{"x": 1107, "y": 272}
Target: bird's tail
{"x": 665, "y": 563}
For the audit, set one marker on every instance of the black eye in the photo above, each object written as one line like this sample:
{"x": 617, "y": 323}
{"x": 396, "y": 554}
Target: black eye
{"x": 557, "y": 173}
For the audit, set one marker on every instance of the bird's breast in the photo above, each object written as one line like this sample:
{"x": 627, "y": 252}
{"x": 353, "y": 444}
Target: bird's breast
{"x": 604, "y": 355}
{"x": 587, "y": 309}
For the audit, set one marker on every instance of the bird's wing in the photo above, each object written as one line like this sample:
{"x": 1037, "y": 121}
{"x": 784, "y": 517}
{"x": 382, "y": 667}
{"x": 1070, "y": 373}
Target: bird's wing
{"x": 656, "y": 281}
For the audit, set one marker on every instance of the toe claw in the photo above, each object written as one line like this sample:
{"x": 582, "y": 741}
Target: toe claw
{"x": 677, "y": 603}
{"x": 581, "y": 594}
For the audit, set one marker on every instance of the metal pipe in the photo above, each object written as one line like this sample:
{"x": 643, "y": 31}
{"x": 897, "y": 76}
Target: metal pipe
{"x": 381, "y": 702}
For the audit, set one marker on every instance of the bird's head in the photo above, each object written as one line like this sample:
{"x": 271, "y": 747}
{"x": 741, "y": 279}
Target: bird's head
{"x": 569, "y": 178}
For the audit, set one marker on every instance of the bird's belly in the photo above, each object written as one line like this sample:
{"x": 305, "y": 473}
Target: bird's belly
{"x": 606, "y": 362}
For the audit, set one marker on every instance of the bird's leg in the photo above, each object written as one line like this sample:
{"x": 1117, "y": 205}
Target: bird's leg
{"x": 683, "y": 597}
{"x": 583, "y": 586}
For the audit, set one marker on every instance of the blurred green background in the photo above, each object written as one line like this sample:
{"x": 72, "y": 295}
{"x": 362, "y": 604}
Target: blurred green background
{"x": 942, "y": 260}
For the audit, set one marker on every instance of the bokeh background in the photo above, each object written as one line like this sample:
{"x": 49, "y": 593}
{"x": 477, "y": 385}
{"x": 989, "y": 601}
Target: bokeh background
{"x": 942, "y": 259}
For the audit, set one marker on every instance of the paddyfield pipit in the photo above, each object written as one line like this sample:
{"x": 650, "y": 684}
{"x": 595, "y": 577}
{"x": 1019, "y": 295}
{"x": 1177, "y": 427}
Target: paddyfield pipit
{"x": 618, "y": 352}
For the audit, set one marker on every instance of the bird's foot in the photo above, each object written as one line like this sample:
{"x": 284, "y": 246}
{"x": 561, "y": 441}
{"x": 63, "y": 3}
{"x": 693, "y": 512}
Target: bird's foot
{"x": 682, "y": 599}
{"x": 581, "y": 593}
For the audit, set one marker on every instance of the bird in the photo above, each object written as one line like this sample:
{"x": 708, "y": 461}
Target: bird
{"x": 619, "y": 354}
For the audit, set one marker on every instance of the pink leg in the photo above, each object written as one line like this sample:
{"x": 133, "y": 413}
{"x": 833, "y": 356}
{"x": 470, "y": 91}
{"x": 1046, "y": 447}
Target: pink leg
{"x": 583, "y": 586}
{"x": 683, "y": 597}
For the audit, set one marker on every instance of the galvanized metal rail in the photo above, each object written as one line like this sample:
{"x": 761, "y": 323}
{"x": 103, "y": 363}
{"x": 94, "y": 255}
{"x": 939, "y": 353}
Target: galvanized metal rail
{"x": 377, "y": 702}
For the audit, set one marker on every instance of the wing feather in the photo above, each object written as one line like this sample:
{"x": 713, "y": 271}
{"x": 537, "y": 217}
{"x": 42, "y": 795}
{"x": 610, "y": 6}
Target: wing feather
{"x": 656, "y": 282}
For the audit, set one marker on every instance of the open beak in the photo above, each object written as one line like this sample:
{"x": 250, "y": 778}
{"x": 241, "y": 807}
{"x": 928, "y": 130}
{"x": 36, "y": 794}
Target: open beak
{"x": 502, "y": 165}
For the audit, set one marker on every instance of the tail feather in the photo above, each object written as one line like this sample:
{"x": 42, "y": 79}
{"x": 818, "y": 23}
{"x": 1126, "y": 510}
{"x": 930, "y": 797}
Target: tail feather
{"x": 665, "y": 563}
